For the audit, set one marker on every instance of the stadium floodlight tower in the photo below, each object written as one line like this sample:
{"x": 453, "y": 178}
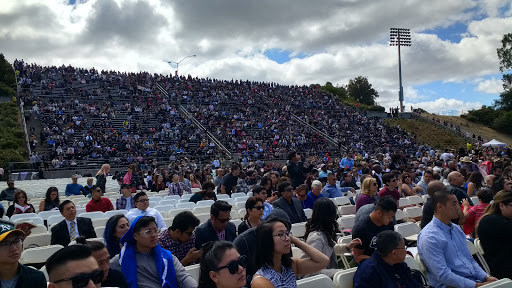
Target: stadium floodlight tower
{"x": 178, "y": 63}
{"x": 400, "y": 37}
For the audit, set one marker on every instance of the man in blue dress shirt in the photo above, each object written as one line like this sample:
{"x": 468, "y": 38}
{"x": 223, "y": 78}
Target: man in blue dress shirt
{"x": 442, "y": 247}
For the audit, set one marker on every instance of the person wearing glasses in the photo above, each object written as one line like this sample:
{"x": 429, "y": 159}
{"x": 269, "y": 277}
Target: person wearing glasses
{"x": 218, "y": 226}
{"x": 301, "y": 193}
{"x": 314, "y": 194}
{"x": 386, "y": 267}
{"x": 73, "y": 266}
{"x": 254, "y": 211}
{"x": 222, "y": 266}
{"x": 97, "y": 202}
{"x": 126, "y": 201}
{"x": 368, "y": 195}
{"x": 145, "y": 263}
{"x": 12, "y": 273}
{"x": 142, "y": 209}
{"x": 272, "y": 256}
{"x": 408, "y": 186}
{"x": 74, "y": 188}
{"x": 259, "y": 191}
{"x": 71, "y": 227}
{"x": 391, "y": 183}
{"x": 180, "y": 238}
{"x": 291, "y": 206}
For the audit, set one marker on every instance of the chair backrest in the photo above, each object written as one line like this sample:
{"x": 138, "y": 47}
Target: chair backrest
{"x": 239, "y": 205}
{"x": 194, "y": 190}
{"x": 479, "y": 247}
{"x": 308, "y": 212}
{"x": 296, "y": 252}
{"x": 404, "y": 202}
{"x": 99, "y": 222}
{"x": 193, "y": 270}
{"x": 237, "y": 194}
{"x": 223, "y": 196}
{"x": 172, "y": 197}
{"x": 475, "y": 200}
{"x": 99, "y": 231}
{"x": 32, "y": 220}
{"x": 172, "y": 213}
{"x": 54, "y": 219}
{"x": 167, "y": 202}
{"x": 298, "y": 229}
{"x": 203, "y": 217}
{"x": 111, "y": 213}
{"x": 422, "y": 266}
{"x": 343, "y": 200}
{"x": 399, "y": 215}
{"x": 411, "y": 262}
{"x": 92, "y": 215}
{"x": 38, "y": 229}
{"x": 320, "y": 280}
{"x": 203, "y": 203}
{"x": 201, "y": 209}
{"x": 236, "y": 222}
{"x": 425, "y": 198}
{"x": 24, "y": 215}
{"x": 242, "y": 199}
{"x": 235, "y": 215}
{"x": 415, "y": 199}
{"x": 186, "y": 196}
{"x": 164, "y": 208}
{"x": 407, "y": 229}
{"x": 474, "y": 251}
{"x": 347, "y": 209}
{"x": 344, "y": 278}
{"x": 155, "y": 199}
{"x": 346, "y": 222}
{"x": 37, "y": 240}
{"x": 38, "y": 254}
{"x": 413, "y": 212}
{"x": 188, "y": 205}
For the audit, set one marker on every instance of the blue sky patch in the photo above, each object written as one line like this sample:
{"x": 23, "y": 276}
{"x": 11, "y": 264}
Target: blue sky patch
{"x": 281, "y": 56}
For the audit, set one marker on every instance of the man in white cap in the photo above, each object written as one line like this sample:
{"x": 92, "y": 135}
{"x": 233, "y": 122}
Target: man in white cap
{"x": 12, "y": 273}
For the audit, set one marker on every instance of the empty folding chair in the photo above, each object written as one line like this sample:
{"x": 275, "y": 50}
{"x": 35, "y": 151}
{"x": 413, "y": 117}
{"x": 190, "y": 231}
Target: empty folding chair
{"x": 111, "y": 213}
{"x": 316, "y": 281}
{"x": 37, "y": 240}
{"x": 412, "y": 263}
{"x": 341, "y": 201}
{"x": 242, "y": 199}
{"x": 296, "y": 252}
{"x": 408, "y": 230}
{"x": 99, "y": 222}
{"x": 347, "y": 209}
{"x": 168, "y": 221}
{"x": 475, "y": 200}
{"x": 194, "y": 190}
{"x": 239, "y": 205}
{"x": 31, "y": 220}
{"x": 164, "y": 208}
{"x": 413, "y": 212}
{"x": 399, "y": 215}
{"x": 236, "y": 222}
{"x": 188, "y": 205}
{"x": 229, "y": 201}
{"x": 186, "y": 196}
{"x": 237, "y": 194}
{"x": 207, "y": 203}
{"x": 479, "y": 256}
{"x": 344, "y": 278}
{"x": 167, "y": 202}
{"x": 404, "y": 202}
{"x": 235, "y": 215}
{"x": 299, "y": 229}
{"x": 172, "y": 213}
{"x": 201, "y": 210}
{"x": 308, "y": 212}
{"x": 415, "y": 199}
{"x": 222, "y": 196}
{"x": 99, "y": 230}
{"x": 184, "y": 201}
{"x": 203, "y": 217}
{"x": 155, "y": 199}
{"x": 92, "y": 215}
{"x": 38, "y": 255}
{"x": 24, "y": 215}
{"x": 39, "y": 229}
{"x": 172, "y": 197}
{"x": 425, "y": 198}
{"x": 193, "y": 270}
{"x": 54, "y": 219}
{"x": 346, "y": 222}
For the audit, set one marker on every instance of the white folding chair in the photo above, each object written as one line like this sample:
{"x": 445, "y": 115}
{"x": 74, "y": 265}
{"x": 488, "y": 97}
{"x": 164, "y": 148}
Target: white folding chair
{"x": 298, "y": 229}
{"x": 347, "y": 209}
{"x": 92, "y": 215}
{"x": 481, "y": 258}
{"x": 235, "y": 215}
{"x": 99, "y": 222}
{"x": 411, "y": 262}
{"x": 239, "y": 205}
{"x": 183, "y": 201}
{"x": 38, "y": 254}
{"x": 203, "y": 203}
{"x": 201, "y": 210}
{"x": 168, "y": 221}
{"x": 399, "y": 215}
{"x": 111, "y": 213}
{"x": 347, "y": 222}
{"x": 296, "y": 252}
{"x": 415, "y": 199}
{"x": 425, "y": 198}
{"x": 340, "y": 201}
{"x": 188, "y": 205}
{"x": 237, "y": 194}
{"x": 404, "y": 202}
{"x": 164, "y": 208}
{"x": 155, "y": 199}
{"x": 193, "y": 270}
{"x": 413, "y": 212}
{"x": 37, "y": 240}
{"x": 54, "y": 219}
{"x": 194, "y": 190}
{"x": 344, "y": 278}
{"x": 203, "y": 217}
{"x": 236, "y": 222}
{"x": 172, "y": 213}
{"x": 167, "y": 202}
{"x": 408, "y": 230}
{"x": 99, "y": 230}
{"x": 20, "y": 216}
{"x": 479, "y": 247}
{"x": 475, "y": 200}
{"x": 172, "y": 197}
{"x": 82, "y": 203}
{"x": 187, "y": 196}
{"x": 308, "y": 212}
{"x": 32, "y": 220}
{"x": 222, "y": 196}
{"x": 502, "y": 283}
{"x": 316, "y": 281}
{"x": 39, "y": 229}
{"x": 242, "y": 199}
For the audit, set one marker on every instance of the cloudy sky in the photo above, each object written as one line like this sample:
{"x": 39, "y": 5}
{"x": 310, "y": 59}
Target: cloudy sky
{"x": 451, "y": 66}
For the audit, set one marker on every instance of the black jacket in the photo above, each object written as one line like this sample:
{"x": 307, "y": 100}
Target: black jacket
{"x": 296, "y": 172}
{"x": 206, "y": 233}
{"x": 29, "y": 278}
{"x": 282, "y": 204}
{"x": 60, "y": 233}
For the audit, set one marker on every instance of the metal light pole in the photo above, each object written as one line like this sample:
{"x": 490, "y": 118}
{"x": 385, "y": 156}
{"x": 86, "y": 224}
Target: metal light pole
{"x": 400, "y": 37}
{"x": 178, "y": 63}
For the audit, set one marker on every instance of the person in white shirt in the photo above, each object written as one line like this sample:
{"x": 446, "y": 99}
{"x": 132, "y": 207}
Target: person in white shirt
{"x": 142, "y": 209}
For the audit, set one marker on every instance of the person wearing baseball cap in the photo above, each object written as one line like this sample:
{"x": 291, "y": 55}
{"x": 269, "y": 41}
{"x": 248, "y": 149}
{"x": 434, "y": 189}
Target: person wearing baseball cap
{"x": 12, "y": 273}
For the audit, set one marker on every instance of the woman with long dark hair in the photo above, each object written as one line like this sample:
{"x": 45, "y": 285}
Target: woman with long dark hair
{"x": 475, "y": 182}
{"x": 116, "y": 226}
{"x": 222, "y": 266}
{"x": 51, "y": 200}
{"x": 254, "y": 211}
{"x": 276, "y": 266}
{"x": 321, "y": 232}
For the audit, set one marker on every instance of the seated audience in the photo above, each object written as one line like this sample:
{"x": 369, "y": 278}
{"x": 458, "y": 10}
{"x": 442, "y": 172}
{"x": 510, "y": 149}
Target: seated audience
{"x": 126, "y": 201}
{"x": 291, "y": 206}
{"x": 473, "y": 214}
{"x": 207, "y": 193}
{"x": 111, "y": 277}
{"x": 386, "y": 267}
{"x": 391, "y": 183}
{"x": 218, "y": 227}
{"x": 428, "y": 207}
{"x": 71, "y": 227}
{"x": 12, "y": 273}
{"x": 408, "y": 186}
{"x": 87, "y": 187}
{"x": 253, "y": 213}
{"x": 116, "y": 226}
{"x": 20, "y": 204}
{"x": 177, "y": 187}
{"x": 97, "y": 202}
{"x": 272, "y": 256}
{"x": 346, "y": 181}
{"x": 259, "y": 191}
{"x": 456, "y": 180}
{"x": 159, "y": 184}
{"x": 321, "y": 232}
{"x": 381, "y": 219}
{"x": 331, "y": 190}
{"x": 443, "y": 249}
{"x": 51, "y": 200}
{"x": 222, "y": 267}
{"x": 495, "y": 232}
{"x": 144, "y": 263}
{"x": 73, "y": 266}
{"x": 369, "y": 189}
{"x": 8, "y": 193}
{"x": 74, "y": 188}
{"x": 180, "y": 238}
{"x": 314, "y": 194}
{"x": 142, "y": 209}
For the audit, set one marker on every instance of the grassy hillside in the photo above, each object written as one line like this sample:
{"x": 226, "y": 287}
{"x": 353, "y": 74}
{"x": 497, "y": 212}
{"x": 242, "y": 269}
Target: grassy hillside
{"x": 12, "y": 144}
{"x": 428, "y": 133}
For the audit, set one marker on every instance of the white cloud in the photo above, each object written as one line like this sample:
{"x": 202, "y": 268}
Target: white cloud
{"x": 490, "y": 86}
{"x": 443, "y": 106}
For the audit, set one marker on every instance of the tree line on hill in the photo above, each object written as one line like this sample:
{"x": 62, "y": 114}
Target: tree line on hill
{"x": 499, "y": 115}
{"x": 7, "y": 78}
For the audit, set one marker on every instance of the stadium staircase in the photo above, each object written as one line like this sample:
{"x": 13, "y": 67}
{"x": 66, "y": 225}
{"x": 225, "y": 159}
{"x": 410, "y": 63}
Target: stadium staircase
{"x": 335, "y": 142}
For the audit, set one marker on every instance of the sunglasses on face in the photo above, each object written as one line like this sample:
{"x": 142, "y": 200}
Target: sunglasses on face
{"x": 374, "y": 184}
{"x": 143, "y": 201}
{"x": 233, "y": 265}
{"x": 258, "y": 207}
{"x": 82, "y": 280}
{"x": 224, "y": 220}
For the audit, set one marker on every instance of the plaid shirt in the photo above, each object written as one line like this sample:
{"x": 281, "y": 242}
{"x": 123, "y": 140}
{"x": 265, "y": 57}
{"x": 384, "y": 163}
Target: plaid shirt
{"x": 177, "y": 248}
{"x": 121, "y": 203}
{"x": 178, "y": 189}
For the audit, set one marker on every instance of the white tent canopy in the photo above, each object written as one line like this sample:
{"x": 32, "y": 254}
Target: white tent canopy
{"x": 494, "y": 143}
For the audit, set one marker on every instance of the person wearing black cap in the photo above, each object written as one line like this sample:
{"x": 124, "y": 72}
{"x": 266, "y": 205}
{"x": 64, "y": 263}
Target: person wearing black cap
{"x": 12, "y": 273}
{"x": 126, "y": 201}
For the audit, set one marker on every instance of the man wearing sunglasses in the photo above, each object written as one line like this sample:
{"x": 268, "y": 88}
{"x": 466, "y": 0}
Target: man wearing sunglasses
{"x": 73, "y": 267}
{"x": 97, "y": 202}
{"x": 218, "y": 226}
{"x": 142, "y": 209}
{"x": 12, "y": 273}
{"x": 145, "y": 263}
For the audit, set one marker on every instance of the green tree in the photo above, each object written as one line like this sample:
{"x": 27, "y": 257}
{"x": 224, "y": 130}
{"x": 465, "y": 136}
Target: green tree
{"x": 505, "y": 56}
{"x": 7, "y": 78}
{"x": 361, "y": 90}
{"x": 341, "y": 92}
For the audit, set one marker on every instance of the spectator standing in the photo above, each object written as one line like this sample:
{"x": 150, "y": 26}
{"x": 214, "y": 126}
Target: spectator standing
{"x": 74, "y": 188}
{"x": 229, "y": 181}
{"x": 296, "y": 169}
{"x": 97, "y": 202}
{"x": 180, "y": 238}
{"x": 101, "y": 176}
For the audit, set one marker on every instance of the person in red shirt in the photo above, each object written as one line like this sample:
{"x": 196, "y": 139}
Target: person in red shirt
{"x": 97, "y": 202}
{"x": 391, "y": 182}
{"x": 473, "y": 214}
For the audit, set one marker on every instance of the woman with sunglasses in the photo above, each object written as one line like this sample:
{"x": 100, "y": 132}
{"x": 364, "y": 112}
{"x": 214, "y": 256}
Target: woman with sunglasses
{"x": 254, "y": 211}
{"x": 368, "y": 195}
{"x": 408, "y": 187}
{"x": 20, "y": 204}
{"x": 116, "y": 227}
{"x": 222, "y": 266}
{"x": 276, "y": 267}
